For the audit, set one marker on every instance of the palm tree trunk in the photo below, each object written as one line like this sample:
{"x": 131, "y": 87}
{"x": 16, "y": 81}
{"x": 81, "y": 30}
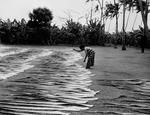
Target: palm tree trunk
{"x": 123, "y": 28}
{"x": 116, "y": 12}
{"x": 101, "y": 7}
{"x": 147, "y": 11}
{"x": 101, "y": 4}
{"x": 144, "y": 18}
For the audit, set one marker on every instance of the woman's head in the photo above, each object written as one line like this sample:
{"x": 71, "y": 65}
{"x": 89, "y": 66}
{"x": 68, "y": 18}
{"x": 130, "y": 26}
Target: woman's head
{"x": 82, "y": 47}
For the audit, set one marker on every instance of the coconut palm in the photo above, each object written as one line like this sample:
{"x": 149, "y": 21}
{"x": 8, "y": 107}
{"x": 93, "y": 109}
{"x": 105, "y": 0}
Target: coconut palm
{"x": 144, "y": 12}
{"x": 123, "y": 27}
{"x": 141, "y": 6}
{"x": 112, "y": 10}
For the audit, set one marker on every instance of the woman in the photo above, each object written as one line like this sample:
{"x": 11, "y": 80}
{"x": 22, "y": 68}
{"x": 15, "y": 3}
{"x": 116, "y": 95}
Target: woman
{"x": 89, "y": 55}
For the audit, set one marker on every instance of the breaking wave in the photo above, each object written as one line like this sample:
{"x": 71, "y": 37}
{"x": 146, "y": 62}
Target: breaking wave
{"x": 43, "y": 81}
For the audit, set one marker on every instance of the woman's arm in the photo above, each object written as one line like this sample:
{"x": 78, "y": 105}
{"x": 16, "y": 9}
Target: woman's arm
{"x": 77, "y": 50}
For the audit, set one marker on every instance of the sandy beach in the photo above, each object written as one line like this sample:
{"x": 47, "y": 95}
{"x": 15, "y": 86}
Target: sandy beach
{"x": 118, "y": 75}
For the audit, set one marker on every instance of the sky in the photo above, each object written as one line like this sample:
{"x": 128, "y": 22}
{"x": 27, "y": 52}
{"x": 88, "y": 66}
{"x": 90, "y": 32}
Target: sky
{"x": 61, "y": 10}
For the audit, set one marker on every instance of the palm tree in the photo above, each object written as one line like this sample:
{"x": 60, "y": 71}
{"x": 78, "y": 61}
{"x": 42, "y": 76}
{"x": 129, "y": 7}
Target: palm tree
{"x": 112, "y": 10}
{"x": 142, "y": 7}
{"x": 116, "y": 12}
{"x": 123, "y": 27}
{"x": 144, "y": 18}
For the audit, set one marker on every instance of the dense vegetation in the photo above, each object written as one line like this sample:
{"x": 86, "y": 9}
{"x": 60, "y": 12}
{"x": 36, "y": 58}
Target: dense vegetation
{"x": 39, "y": 31}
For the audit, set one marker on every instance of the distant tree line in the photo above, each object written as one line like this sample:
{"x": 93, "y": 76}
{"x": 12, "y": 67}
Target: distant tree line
{"x": 38, "y": 30}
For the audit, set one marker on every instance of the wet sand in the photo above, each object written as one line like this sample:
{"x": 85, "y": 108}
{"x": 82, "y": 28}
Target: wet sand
{"x": 122, "y": 79}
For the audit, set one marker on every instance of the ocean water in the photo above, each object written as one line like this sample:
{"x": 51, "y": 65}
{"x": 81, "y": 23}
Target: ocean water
{"x": 134, "y": 99}
{"x": 42, "y": 81}
{"x": 49, "y": 81}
